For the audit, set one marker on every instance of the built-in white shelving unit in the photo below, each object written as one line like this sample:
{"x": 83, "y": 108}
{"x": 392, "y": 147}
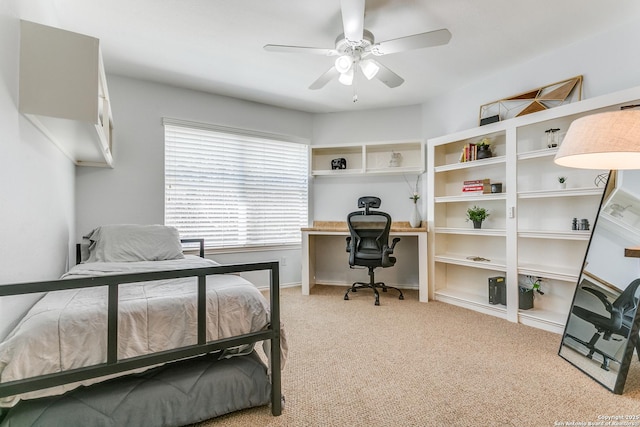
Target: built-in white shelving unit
{"x": 528, "y": 234}
{"x": 63, "y": 92}
{"x": 373, "y": 158}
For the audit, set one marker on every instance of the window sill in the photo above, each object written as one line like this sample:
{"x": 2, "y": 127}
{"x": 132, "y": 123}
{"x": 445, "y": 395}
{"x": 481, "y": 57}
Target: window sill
{"x": 247, "y": 249}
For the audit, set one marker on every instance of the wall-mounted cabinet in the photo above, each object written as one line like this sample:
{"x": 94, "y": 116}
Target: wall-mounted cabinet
{"x": 531, "y": 233}
{"x": 63, "y": 91}
{"x": 368, "y": 159}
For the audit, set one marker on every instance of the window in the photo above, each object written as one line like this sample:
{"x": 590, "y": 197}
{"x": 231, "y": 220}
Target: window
{"x": 234, "y": 188}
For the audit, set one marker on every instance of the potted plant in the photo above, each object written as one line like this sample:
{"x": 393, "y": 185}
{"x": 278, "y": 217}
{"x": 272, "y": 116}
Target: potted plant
{"x": 477, "y": 215}
{"x": 526, "y": 294}
{"x": 562, "y": 182}
{"x": 484, "y": 149}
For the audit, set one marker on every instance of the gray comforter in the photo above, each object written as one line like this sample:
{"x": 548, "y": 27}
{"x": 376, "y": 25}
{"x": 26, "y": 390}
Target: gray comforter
{"x": 67, "y": 329}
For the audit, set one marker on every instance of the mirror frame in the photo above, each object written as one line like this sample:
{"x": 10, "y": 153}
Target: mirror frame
{"x": 632, "y": 340}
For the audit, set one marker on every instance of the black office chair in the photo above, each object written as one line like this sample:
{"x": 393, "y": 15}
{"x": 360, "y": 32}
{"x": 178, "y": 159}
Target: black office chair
{"x": 622, "y": 312}
{"x": 368, "y": 245}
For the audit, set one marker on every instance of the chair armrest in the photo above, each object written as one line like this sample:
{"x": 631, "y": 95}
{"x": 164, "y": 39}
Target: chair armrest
{"x": 388, "y": 250}
{"x": 601, "y": 296}
{"x": 351, "y": 248}
{"x": 393, "y": 243}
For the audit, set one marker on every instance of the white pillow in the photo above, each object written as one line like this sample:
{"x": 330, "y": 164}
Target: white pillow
{"x": 129, "y": 242}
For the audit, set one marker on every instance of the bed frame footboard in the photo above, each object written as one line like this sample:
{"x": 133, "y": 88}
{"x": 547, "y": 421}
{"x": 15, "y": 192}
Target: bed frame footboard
{"x": 113, "y": 365}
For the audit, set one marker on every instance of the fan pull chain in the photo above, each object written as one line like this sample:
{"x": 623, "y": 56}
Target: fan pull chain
{"x": 355, "y": 83}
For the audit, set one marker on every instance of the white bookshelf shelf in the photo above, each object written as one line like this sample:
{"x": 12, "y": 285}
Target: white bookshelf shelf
{"x": 373, "y": 158}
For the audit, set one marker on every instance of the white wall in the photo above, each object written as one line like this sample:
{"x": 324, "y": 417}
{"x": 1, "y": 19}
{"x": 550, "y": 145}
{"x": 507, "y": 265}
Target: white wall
{"x": 36, "y": 186}
{"x": 368, "y": 125}
{"x": 133, "y": 191}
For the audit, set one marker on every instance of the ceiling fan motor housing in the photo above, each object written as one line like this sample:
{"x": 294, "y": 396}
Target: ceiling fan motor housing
{"x": 347, "y": 47}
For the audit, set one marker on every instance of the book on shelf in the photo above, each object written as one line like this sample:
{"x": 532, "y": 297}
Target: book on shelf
{"x": 483, "y": 189}
{"x": 477, "y": 181}
{"x": 482, "y": 186}
{"x": 469, "y": 153}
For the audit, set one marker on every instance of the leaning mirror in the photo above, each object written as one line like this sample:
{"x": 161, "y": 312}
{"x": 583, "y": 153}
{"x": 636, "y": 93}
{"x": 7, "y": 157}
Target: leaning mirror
{"x": 601, "y": 332}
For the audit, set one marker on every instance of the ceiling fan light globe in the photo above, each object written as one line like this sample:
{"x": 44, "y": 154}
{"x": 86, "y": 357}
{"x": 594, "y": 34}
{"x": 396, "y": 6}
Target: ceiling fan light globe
{"x": 346, "y": 78}
{"x": 369, "y": 68}
{"x": 343, "y": 63}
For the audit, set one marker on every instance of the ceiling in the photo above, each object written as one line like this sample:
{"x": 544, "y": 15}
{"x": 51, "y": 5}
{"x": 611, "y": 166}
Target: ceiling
{"x": 217, "y": 45}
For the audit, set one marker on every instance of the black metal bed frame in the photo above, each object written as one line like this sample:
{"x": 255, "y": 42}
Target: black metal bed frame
{"x": 114, "y": 365}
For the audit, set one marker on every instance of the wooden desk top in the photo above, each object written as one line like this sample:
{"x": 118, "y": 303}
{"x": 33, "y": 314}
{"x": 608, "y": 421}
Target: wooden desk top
{"x": 400, "y": 226}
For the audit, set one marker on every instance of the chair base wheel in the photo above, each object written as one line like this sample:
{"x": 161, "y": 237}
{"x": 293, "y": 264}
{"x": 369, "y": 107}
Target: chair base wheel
{"x": 375, "y": 286}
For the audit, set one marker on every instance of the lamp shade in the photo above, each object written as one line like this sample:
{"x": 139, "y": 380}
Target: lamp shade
{"x": 602, "y": 141}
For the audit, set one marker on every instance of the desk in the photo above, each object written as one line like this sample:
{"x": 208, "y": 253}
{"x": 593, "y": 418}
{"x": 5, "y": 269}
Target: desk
{"x": 337, "y": 228}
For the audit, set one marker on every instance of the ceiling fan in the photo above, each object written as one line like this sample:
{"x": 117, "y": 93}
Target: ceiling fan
{"x": 355, "y": 47}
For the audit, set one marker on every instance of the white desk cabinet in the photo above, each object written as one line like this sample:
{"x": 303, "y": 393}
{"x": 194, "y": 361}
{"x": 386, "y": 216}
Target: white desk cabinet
{"x": 63, "y": 91}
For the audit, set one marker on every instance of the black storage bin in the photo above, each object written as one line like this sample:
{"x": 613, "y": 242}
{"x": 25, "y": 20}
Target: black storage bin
{"x": 497, "y": 290}
{"x": 525, "y": 298}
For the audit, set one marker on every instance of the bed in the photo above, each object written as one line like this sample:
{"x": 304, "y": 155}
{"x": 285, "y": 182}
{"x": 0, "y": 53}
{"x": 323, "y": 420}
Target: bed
{"x": 140, "y": 334}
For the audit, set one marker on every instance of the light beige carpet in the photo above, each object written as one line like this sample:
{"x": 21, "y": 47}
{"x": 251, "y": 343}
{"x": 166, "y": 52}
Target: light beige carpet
{"x": 407, "y": 363}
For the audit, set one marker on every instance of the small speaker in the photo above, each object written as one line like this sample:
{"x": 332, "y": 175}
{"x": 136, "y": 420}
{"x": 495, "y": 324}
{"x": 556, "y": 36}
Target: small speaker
{"x": 340, "y": 163}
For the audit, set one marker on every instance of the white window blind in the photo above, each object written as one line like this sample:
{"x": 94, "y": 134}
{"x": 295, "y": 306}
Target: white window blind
{"x": 233, "y": 188}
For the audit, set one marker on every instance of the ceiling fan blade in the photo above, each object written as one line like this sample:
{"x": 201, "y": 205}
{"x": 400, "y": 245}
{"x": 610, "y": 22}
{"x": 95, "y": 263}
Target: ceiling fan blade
{"x": 353, "y": 20}
{"x": 330, "y": 74}
{"x": 387, "y": 76}
{"x": 416, "y": 41}
{"x": 300, "y": 49}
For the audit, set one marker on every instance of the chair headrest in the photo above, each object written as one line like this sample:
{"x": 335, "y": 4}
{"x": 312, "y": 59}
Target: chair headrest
{"x": 369, "y": 202}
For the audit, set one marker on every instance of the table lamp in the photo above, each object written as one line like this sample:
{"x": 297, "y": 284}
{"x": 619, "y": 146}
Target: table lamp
{"x": 602, "y": 141}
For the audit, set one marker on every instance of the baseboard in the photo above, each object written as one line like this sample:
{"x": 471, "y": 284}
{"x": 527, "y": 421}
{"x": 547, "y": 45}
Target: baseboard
{"x": 282, "y": 286}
